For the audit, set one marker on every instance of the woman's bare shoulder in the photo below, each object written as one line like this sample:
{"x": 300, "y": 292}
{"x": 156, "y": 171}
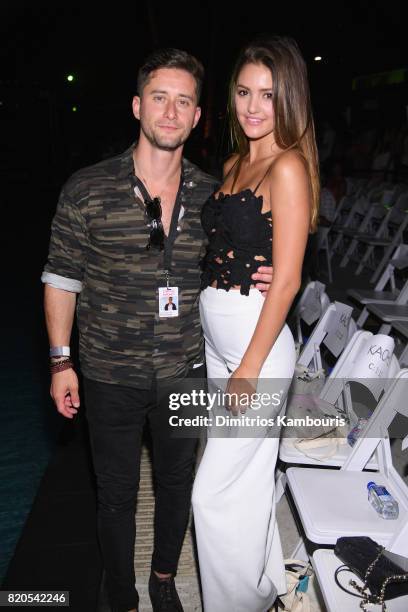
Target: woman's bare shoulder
{"x": 289, "y": 163}
{"x": 289, "y": 183}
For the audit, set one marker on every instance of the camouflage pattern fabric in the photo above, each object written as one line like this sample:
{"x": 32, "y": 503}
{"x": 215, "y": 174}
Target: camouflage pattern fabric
{"x": 99, "y": 236}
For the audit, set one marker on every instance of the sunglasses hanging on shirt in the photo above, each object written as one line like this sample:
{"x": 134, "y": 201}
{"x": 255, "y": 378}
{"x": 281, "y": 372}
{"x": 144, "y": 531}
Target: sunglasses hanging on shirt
{"x": 153, "y": 212}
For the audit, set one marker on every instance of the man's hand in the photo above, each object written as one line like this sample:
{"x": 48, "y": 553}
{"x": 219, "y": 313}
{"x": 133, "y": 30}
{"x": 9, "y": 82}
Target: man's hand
{"x": 64, "y": 392}
{"x": 264, "y": 277}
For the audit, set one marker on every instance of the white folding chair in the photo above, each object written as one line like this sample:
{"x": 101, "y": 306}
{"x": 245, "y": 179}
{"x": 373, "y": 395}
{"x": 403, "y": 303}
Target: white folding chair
{"x": 324, "y": 561}
{"x": 356, "y": 357}
{"x": 374, "y": 212}
{"x": 388, "y": 314}
{"x": 355, "y": 207}
{"x": 351, "y": 218}
{"x": 344, "y": 510}
{"x": 379, "y": 295}
{"x": 388, "y": 236}
{"x": 334, "y": 329}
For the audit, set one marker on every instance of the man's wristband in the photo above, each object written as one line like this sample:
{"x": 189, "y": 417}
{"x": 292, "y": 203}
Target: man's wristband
{"x": 60, "y": 351}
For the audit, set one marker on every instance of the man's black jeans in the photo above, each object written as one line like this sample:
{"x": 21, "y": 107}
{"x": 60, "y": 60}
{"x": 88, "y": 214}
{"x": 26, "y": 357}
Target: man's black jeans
{"x": 116, "y": 416}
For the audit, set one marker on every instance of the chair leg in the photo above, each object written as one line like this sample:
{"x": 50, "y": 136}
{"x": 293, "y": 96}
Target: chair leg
{"x": 397, "y": 239}
{"x": 280, "y": 484}
{"x": 387, "y": 255}
{"x": 337, "y": 241}
{"x": 348, "y": 253}
{"x": 362, "y": 318}
{"x": 385, "y": 329}
{"x": 364, "y": 260}
{"x": 329, "y": 269}
{"x": 300, "y": 552}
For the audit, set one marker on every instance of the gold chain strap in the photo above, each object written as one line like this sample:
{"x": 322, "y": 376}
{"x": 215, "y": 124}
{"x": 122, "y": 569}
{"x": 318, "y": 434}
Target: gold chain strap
{"x": 376, "y": 599}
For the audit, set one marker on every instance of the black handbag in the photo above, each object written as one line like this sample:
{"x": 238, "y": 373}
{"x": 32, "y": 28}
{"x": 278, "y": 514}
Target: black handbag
{"x": 384, "y": 574}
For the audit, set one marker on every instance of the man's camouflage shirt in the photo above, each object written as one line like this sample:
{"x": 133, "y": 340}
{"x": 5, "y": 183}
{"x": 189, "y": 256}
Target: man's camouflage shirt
{"x": 98, "y": 242}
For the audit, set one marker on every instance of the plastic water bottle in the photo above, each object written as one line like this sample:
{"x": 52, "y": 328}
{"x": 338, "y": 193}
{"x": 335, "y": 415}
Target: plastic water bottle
{"x": 355, "y": 432}
{"x": 382, "y": 501}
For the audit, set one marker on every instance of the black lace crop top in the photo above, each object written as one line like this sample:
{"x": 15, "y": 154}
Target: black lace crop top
{"x": 240, "y": 239}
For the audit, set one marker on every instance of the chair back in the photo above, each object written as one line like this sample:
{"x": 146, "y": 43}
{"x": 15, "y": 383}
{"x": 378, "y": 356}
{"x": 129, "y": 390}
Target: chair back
{"x": 332, "y": 329}
{"x": 374, "y": 436}
{"x": 338, "y": 328}
{"x": 313, "y": 303}
{"x": 398, "y": 259}
{"x": 367, "y": 359}
{"x": 400, "y": 209}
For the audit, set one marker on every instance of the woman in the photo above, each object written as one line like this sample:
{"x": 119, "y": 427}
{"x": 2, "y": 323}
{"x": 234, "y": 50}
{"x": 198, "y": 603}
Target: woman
{"x": 264, "y": 211}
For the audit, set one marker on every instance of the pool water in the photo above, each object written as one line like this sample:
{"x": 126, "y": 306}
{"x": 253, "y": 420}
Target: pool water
{"x": 28, "y": 431}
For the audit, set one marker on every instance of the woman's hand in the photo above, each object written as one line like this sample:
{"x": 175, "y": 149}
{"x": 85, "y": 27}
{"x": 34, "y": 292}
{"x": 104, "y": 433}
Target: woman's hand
{"x": 240, "y": 389}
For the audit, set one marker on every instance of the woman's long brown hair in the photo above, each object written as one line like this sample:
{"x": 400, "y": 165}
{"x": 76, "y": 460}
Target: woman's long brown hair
{"x": 294, "y": 128}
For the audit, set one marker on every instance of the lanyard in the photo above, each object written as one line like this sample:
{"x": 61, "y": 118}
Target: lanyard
{"x": 168, "y": 240}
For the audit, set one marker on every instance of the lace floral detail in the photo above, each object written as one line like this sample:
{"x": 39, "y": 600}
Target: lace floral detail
{"x": 239, "y": 239}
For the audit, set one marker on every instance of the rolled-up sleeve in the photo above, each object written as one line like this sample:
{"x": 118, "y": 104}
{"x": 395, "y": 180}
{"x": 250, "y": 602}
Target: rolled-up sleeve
{"x": 66, "y": 262}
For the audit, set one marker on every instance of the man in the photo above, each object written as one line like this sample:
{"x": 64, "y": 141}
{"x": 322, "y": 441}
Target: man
{"x": 170, "y": 305}
{"x": 127, "y": 231}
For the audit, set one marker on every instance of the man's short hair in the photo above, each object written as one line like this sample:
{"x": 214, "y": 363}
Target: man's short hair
{"x": 170, "y": 58}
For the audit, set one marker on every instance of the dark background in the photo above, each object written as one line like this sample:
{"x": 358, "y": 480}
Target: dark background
{"x": 43, "y": 140}
{"x": 43, "y": 42}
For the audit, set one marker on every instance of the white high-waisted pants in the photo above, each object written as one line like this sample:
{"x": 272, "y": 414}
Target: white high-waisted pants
{"x": 239, "y": 549}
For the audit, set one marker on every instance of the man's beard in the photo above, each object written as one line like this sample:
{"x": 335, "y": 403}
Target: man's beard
{"x": 161, "y": 142}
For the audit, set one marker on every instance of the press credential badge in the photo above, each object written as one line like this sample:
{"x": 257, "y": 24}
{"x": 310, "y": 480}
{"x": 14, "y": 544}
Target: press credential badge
{"x": 168, "y": 302}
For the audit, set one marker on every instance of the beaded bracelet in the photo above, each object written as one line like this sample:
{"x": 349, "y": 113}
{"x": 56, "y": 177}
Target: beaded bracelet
{"x": 59, "y": 359}
{"x": 60, "y": 367}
